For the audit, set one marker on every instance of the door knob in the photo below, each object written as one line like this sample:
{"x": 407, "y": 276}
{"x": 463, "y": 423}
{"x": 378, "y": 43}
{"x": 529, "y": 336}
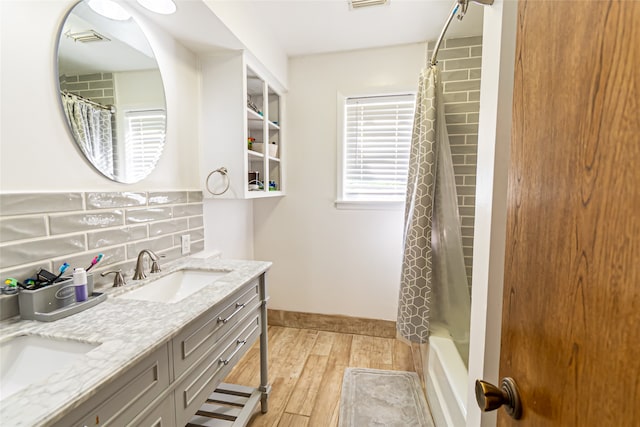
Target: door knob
{"x": 490, "y": 397}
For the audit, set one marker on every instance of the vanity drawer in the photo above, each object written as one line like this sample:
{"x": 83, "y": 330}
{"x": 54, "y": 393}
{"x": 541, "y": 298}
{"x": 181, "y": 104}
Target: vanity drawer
{"x": 119, "y": 402}
{"x": 161, "y": 415}
{"x": 197, "y": 338}
{"x": 193, "y": 390}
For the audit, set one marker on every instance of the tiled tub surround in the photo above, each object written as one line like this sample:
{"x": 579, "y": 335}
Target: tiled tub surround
{"x": 460, "y": 60}
{"x": 44, "y": 230}
{"x": 127, "y": 331}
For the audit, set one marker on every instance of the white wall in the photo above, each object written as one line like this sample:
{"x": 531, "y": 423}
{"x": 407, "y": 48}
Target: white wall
{"x": 37, "y": 152}
{"x": 327, "y": 260}
{"x": 138, "y": 89}
{"x": 229, "y": 227}
{"x": 135, "y": 90}
{"x": 494, "y": 138}
{"x": 247, "y": 25}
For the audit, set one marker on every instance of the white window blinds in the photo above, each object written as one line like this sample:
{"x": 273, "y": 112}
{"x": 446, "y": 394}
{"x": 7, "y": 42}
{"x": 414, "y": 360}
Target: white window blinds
{"x": 145, "y": 132}
{"x": 376, "y": 147}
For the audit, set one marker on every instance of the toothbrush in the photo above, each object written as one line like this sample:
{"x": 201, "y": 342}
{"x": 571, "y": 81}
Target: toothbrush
{"x": 61, "y": 271}
{"x": 11, "y": 286}
{"x": 95, "y": 261}
{"x": 13, "y": 282}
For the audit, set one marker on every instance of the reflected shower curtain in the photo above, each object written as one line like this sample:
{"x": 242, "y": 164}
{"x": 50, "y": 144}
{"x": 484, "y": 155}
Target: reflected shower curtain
{"x": 91, "y": 127}
{"x": 433, "y": 284}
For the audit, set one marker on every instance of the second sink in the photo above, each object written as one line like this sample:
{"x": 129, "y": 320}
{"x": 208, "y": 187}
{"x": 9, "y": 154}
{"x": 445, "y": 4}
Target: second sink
{"x": 28, "y": 359}
{"x": 175, "y": 286}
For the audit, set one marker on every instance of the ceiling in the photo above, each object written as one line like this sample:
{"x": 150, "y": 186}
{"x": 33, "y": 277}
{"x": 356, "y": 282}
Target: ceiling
{"x": 302, "y": 27}
{"x": 126, "y": 48}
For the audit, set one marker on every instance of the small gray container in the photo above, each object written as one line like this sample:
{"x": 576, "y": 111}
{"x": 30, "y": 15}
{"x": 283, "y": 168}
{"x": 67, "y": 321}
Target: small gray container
{"x": 55, "y": 301}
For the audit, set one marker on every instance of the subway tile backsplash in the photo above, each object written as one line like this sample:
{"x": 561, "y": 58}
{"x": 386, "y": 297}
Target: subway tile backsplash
{"x": 101, "y": 239}
{"x": 44, "y": 230}
{"x": 115, "y": 200}
{"x": 168, "y": 227}
{"x": 22, "y": 228}
{"x": 85, "y": 221}
{"x": 137, "y": 216}
{"x": 18, "y": 204}
{"x": 15, "y": 254}
{"x": 164, "y": 198}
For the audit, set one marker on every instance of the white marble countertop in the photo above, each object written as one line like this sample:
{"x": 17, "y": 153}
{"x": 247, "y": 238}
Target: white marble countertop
{"x": 127, "y": 331}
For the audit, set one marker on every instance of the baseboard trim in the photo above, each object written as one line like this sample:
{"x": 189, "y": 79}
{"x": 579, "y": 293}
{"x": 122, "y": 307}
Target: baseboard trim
{"x": 332, "y": 323}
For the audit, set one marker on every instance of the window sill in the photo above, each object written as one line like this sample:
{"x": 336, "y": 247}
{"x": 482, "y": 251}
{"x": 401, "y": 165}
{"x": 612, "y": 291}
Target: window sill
{"x": 384, "y": 205}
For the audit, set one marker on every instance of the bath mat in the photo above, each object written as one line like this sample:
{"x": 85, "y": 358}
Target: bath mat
{"x": 372, "y": 397}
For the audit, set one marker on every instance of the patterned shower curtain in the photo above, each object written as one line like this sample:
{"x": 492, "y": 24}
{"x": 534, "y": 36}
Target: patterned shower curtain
{"x": 433, "y": 283}
{"x": 415, "y": 280}
{"x": 91, "y": 127}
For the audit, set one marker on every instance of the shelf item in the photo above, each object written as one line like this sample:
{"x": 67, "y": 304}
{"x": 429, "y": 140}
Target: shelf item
{"x": 263, "y": 127}
{"x": 242, "y": 125}
{"x": 56, "y": 301}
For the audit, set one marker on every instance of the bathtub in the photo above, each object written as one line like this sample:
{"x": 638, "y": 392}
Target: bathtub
{"x": 446, "y": 383}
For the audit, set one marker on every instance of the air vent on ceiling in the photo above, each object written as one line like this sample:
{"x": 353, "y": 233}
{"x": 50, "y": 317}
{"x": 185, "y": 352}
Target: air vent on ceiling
{"x": 87, "y": 36}
{"x": 357, "y": 4}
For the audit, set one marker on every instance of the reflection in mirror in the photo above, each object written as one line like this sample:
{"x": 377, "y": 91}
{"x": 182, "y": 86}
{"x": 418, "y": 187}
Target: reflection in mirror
{"x": 111, "y": 93}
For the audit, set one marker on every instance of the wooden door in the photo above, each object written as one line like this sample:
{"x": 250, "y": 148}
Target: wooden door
{"x": 571, "y": 312}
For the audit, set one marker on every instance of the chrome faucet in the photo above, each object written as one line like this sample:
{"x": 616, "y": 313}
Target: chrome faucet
{"x": 139, "y": 274}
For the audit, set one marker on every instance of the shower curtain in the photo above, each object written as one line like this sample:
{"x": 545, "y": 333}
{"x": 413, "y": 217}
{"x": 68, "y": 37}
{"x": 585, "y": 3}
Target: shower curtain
{"x": 433, "y": 284}
{"x": 91, "y": 127}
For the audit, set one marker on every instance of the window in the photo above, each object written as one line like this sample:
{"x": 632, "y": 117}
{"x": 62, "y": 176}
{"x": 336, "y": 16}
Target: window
{"x": 375, "y": 149}
{"x": 144, "y": 140}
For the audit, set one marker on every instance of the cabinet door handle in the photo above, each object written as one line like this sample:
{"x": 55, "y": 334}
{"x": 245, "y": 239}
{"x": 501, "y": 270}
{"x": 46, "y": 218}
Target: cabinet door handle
{"x": 238, "y": 308}
{"x": 239, "y": 344}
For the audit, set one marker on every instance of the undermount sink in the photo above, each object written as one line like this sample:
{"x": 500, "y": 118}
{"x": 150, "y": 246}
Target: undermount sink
{"x": 175, "y": 287}
{"x": 28, "y": 359}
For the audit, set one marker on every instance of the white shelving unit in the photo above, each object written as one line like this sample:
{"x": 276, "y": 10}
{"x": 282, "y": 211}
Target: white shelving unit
{"x": 240, "y": 106}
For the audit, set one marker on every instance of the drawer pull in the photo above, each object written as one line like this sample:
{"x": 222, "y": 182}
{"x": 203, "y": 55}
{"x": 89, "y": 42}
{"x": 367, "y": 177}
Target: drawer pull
{"x": 239, "y": 307}
{"x": 241, "y": 343}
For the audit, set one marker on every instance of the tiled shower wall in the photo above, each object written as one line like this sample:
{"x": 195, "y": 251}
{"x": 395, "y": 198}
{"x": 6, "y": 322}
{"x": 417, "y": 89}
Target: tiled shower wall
{"x": 460, "y": 61}
{"x": 44, "y": 230}
{"x": 98, "y": 87}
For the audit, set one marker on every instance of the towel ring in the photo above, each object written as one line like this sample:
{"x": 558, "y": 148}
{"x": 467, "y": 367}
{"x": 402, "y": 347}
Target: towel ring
{"x": 225, "y": 173}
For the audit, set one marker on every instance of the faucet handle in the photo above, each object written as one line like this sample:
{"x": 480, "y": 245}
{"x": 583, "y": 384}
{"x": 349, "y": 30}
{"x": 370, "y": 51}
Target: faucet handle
{"x": 118, "y": 279}
{"x": 155, "y": 267}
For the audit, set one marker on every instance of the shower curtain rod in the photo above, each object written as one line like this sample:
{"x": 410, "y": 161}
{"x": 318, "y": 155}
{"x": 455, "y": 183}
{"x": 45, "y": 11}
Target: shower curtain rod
{"x": 88, "y": 101}
{"x": 464, "y": 4}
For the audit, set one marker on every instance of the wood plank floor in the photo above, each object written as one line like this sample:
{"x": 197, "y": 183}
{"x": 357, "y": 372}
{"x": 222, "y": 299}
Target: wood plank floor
{"x": 306, "y": 368}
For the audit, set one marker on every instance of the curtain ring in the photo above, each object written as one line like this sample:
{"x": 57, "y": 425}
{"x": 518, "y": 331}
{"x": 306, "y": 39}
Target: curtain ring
{"x": 222, "y": 171}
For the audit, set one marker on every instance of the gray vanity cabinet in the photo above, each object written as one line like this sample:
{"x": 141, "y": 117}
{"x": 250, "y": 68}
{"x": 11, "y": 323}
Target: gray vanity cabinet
{"x": 199, "y": 336}
{"x": 206, "y": 350}
{"x": 121, "y": 400}
{"x": 192, "y": 392}
{"x": 161, "y": 415}
{"x": 168, "y": 387}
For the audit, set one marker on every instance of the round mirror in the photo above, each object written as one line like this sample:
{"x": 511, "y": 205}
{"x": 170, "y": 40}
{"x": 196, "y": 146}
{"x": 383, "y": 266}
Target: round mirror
{"x": 111, "y": 92}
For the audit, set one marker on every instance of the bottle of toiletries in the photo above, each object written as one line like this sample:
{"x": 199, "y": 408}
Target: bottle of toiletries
{"x": 80, "y": 283}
